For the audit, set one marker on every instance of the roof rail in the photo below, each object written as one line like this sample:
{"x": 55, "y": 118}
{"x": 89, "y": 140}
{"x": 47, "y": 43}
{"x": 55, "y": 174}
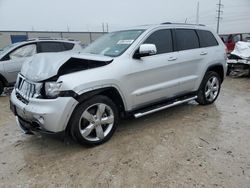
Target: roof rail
{"x": 182, "y": 23}
{"x": 48, "y": 38}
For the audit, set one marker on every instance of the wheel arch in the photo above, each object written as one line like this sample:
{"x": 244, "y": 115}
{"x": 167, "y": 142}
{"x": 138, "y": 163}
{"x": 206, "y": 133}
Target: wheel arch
{"x": 2, "y": 78}
{"x": 219, "y": 69}
{"x": 111, "y": 92}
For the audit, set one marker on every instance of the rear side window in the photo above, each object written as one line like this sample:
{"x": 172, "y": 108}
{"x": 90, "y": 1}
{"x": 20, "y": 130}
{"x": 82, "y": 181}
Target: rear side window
{"x": 186, "y": 39}
{"x": 68, "y": 46}
{"x": 207, "y": 39}
{"x": 51, "y": 47}
{"x": 162, "y": 40}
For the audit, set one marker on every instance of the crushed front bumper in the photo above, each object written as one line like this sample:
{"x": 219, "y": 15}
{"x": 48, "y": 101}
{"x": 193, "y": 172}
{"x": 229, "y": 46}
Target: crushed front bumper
{"x": 43, "y": 115}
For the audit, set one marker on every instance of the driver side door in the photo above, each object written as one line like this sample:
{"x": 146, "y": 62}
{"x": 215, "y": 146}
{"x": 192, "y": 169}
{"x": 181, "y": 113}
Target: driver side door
{"x": 155, "y": 77}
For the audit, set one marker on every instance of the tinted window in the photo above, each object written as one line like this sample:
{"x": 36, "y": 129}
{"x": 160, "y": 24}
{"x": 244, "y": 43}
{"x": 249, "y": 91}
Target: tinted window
{"x": 68, "y": 46}
{"x": 186, "y": 39}
{"x": 51, "y": 47}
{"x": 162, "y": 40}
{"x": 206, "y": 38}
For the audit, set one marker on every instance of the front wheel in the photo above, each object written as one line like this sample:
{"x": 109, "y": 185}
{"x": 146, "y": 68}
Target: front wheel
{"x": 209, "y": 89}
{"x": 94, "y": 121}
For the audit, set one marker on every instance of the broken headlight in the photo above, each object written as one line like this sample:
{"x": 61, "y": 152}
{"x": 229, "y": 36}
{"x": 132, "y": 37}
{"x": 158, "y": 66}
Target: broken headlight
{"x": 52, "y": 89}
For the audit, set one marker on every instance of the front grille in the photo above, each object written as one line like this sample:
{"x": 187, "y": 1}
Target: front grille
{"x": 26, "y": 89}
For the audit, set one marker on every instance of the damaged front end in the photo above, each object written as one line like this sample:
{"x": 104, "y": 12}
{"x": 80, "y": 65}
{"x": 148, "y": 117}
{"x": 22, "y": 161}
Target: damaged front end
{"x": 38, "y": 100}
{"x": 45, "y": 69}
{"x": 239, "y": 60}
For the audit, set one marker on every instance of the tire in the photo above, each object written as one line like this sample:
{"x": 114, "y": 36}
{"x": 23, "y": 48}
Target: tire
{"x": 94, "y": 121}
{"x": 1, "y": 87}
{"x": 209, "y": 89}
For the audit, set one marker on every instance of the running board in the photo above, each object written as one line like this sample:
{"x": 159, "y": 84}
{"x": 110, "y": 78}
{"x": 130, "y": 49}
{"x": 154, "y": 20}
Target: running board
{"x": 162, "y": 107}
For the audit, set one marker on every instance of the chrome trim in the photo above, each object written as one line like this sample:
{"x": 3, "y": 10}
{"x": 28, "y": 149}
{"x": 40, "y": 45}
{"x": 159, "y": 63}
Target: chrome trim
{"x": 138, "y": 115}
{"x": 32, "y": 89}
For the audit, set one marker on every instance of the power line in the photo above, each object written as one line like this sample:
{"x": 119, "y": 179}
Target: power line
{"x": 219, "y": 11}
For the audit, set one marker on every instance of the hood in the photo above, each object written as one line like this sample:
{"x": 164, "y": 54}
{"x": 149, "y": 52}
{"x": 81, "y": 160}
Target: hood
{"x": 47, "y": 65}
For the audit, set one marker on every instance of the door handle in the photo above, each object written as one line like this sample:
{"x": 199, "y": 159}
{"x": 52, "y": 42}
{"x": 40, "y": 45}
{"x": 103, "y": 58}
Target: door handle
{"x": 172, "y": 58}
{"x": 203, "y": 53}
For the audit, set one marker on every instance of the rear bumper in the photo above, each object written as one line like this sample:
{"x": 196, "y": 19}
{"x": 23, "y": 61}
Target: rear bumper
{"x": 43, "y": 115}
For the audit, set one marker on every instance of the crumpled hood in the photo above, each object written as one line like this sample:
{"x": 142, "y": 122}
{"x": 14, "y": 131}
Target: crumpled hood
{"x": 46, "y": 65}
{"x": 242, "y": 50}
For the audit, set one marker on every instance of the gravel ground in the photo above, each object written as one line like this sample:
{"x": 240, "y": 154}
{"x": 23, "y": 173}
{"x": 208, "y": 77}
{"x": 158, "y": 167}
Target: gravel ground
{"x": 185, "y": 146}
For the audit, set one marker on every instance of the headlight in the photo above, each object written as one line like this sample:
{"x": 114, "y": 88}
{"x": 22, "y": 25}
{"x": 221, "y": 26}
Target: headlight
{"x": 52, "y": 89}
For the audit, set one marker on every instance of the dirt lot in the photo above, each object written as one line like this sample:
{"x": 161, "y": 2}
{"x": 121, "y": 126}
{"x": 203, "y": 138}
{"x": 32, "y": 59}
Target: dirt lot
{"x": 185, "y": 146}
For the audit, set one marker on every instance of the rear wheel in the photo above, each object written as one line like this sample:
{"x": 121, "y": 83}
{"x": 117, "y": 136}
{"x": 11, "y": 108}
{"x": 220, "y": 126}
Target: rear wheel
{"x": 1, "y": 87}
{"x": 209, "y": 89}
{"x": 94, "y": 121}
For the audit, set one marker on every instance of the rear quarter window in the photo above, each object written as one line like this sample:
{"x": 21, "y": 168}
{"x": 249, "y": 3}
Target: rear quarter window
{"x": 207, "y": 39}
{"x": 186, "y": 39}
{"x": 68, "y": 46}
{"x": 51, "y": 47}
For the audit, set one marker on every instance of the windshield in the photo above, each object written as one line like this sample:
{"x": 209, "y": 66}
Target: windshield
{"x": 113, "y": 44}
{"x": 6, "y": 48}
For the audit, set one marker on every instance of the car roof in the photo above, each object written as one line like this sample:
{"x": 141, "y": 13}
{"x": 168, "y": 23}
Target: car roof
{"x": 169, "y": 25}
{"x": 51, "y": 40}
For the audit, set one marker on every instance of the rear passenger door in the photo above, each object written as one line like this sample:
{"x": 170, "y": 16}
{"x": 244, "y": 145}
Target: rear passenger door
{"x": 210, "y": 51}
{"x": 190, "y": 59}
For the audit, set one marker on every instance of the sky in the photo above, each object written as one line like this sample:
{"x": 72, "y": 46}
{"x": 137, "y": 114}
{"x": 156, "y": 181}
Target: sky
{"x": 88, "y": 15}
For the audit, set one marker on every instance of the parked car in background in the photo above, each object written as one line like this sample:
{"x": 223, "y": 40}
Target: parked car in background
{"x": 13, "y": 56}
{"x": 135, "y": 72}
{"x": 231, "y": 39}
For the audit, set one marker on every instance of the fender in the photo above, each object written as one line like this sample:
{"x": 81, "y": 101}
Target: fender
{"x": 222, "y": 75}
{"x": 88, "y": 93}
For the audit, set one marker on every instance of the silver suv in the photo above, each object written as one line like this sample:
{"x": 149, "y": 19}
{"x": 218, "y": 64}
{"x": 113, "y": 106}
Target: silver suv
{"x": 135, "y": 72}
{"x": 13, "y": 56}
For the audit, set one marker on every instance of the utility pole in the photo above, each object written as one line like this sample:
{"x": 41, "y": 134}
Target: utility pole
{"x": 103, "y": 27}
{"x": 107, "y": 27}
{"x": 219, "y": 12}
{"x": 198, "y": 13}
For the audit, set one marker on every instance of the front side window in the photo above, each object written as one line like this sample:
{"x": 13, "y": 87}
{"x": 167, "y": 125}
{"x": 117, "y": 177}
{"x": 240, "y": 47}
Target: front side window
{"x": 51, "y": 47}
{"x": 162, "y": 39}
{"x": 113, "y": 44}
{"x": 207, "y": 39}
{"x": 24, "y": 51}
{"x": 186, "y": 39}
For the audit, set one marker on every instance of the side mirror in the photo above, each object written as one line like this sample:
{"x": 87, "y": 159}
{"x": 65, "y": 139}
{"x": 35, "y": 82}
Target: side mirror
{"x": 145, "y": 50}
